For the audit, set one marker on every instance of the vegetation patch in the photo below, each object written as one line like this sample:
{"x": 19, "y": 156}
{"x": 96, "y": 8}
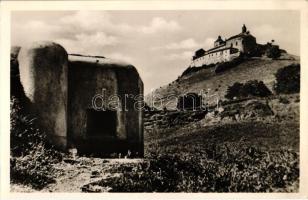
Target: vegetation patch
{"x": 32, "y": 159}
{"x": 240, "y": 157}
{"x": 253, "y": 88}
{"x": 288, "y": 79}
{"x": 231, "y": 169}
{"x": 219, "y": 67}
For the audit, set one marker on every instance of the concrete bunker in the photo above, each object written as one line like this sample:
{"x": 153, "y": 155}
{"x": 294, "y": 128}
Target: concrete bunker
{"x": 86, "y": 102}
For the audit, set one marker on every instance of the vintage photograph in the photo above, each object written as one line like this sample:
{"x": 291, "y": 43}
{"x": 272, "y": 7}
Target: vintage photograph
{"x": 155, "y": 101}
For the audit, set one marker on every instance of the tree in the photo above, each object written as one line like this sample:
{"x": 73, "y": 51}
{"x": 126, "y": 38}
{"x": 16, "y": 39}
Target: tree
{"x": 256, "y": 88}
{"x": 288, "y": 79}
{"x": 234, "y": 91}
{"x": 251, "y": 88}
{"x": 273, "y": 52}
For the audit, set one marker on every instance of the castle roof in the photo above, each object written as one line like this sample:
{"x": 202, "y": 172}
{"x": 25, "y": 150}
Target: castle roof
{"x": 242, "y": 35}
{"x": 218, "y": 50}
{"x": 219, "y": 39}
{"x": 200, "y": 50}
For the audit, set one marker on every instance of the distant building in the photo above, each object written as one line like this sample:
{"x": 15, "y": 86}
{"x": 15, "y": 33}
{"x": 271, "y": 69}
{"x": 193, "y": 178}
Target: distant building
{"x": 226, "y": 50}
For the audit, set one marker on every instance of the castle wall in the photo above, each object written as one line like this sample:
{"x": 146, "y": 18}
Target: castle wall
{"x": 215, "y": 57}
{"x": 250, "y": 45}
{"x": 43, "y": 74}
{"x": 236, "y": 43}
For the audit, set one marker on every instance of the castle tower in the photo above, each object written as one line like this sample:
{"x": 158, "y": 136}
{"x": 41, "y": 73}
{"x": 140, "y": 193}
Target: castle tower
{"x": 244, "y": 29}
{"x": 218, "y": 42}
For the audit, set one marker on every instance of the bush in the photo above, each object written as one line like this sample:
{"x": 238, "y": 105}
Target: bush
{"x": 250, "y": 88}
{"x": 31, "y": 157}
{"x": 256, "y": 88}
{"x": 34, "y": 169}
{"x": 288, "y": 80}
{"x": 25, "y": 136}
{"x": 231, "y": 168}
{"x": 283, "y": 100}
{"x": 234, "y": 91}
{"x": 273, "y": 52}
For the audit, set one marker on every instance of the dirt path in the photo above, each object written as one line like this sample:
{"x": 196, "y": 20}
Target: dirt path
{"x": 72, "y": 175}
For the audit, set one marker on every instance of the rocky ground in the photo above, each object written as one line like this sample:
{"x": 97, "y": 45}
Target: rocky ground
{"x": 73, "y": 174}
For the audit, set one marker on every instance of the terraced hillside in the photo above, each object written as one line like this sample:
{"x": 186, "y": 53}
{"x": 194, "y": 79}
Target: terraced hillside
{"x": 262, "y": 69}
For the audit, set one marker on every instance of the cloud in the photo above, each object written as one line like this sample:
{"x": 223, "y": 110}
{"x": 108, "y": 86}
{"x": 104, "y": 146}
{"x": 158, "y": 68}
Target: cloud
{"x": 96, "y": 39}
{"x": 89, "y": 21}
{"x": 208, "y": 43}
{"x": 119, "y": 56}
{"x": 188, "y": 44}
{"x": 184, "y": 44}
{"x": 88, "y": 30}
{"x": 88, "y": 43}
{"x": 33, "y": 30}
{"x": 102, "y": 20}
{"x": 264, "y": 32}
{"x": 185, "y": 55}
{"x": 160, "y": 24}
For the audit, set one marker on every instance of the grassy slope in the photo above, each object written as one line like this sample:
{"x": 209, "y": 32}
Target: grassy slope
{"x": 259, "y": 68}
{"x": 264, "y": 136}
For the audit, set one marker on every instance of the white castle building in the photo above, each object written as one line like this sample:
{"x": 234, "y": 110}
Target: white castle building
{"x": 226, "y": 50}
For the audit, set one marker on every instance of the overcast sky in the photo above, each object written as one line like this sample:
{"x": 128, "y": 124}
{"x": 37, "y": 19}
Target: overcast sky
{"x": 159, "y": 44}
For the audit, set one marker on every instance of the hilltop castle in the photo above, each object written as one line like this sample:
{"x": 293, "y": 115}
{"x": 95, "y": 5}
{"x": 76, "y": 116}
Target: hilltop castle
{"x": 226, "y": 50}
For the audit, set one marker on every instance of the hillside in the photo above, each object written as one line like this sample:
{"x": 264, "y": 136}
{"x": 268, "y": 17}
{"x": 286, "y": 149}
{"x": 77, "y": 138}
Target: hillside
{"x": 262, "y": 69}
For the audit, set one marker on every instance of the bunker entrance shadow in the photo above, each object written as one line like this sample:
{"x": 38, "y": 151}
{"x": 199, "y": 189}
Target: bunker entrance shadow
{"x": 101, "y": 123}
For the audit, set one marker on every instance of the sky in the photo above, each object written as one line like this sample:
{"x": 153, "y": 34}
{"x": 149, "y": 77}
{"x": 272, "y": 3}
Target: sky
{"x": 160, "y": 44}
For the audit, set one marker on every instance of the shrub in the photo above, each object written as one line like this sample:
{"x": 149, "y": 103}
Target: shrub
{"x": 273, "y": 52}
{"x": 256, "y": 88}
{"x": 234, "y": 90}
{"x": 283, "y": 100}
{"x": 25, "y": 136}
{"x": 233, "y": 168}
{"x": 250, "y": 88}
{"x": 288, "y": 79}
{"x": 31, "y": 158}
{"x": 34, "y": 169}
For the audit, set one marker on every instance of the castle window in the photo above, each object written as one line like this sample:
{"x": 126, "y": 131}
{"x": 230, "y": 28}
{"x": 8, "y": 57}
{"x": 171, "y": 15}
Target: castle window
{"x": 235, "y": 43}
